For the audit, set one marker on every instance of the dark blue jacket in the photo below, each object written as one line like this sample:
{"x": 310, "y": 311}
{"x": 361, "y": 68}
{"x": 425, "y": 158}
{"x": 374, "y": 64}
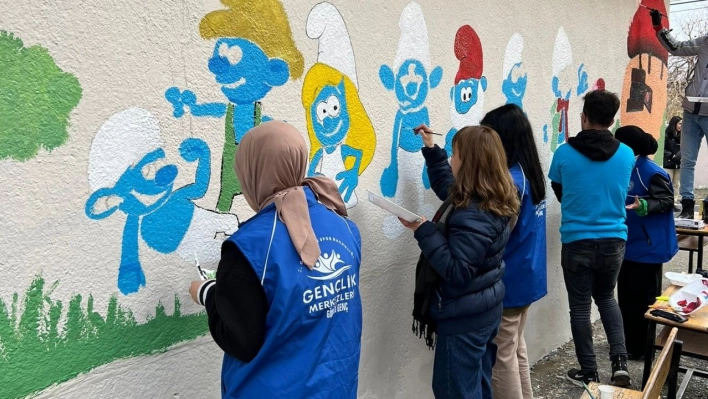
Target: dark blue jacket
{"x": 468, "y": 257}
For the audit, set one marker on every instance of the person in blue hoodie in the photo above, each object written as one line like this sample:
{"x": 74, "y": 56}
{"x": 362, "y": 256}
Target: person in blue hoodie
{"x": 459, "y": 290}
{"x": 651, "y": 237}
{"x": 525, "y": 254}
{"x": 285, "y": 305}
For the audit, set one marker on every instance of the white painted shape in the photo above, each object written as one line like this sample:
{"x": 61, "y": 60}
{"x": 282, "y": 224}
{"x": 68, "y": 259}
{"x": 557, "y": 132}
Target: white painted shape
{"x": 562, "y": 53}
{"x": 332, "y": 164}
{"x": 122, "y": 141}
{"x": 135, "y": 377}
{"x": 203, "y": 236}
{"x": 413, "y": 42}
{"x": 326, "y": 24}
{"x": 512, "y": 54}
{"x": 472, "y": 117}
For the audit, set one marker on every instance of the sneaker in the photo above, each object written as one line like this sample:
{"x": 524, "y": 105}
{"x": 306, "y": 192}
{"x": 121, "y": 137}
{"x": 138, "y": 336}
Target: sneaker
{"x": 578, "y": 377}
{"x": 620, "y": 375}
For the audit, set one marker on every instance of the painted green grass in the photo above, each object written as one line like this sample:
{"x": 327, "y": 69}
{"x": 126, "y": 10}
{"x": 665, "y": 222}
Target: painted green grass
{"x": 35, "y": 353}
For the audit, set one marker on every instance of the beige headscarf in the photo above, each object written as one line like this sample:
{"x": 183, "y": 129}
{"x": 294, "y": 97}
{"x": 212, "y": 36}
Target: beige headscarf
{"x": 271, "y": 164}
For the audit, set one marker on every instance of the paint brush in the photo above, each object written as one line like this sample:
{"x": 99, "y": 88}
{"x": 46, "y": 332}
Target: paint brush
{"x": 202, "y": 275}
{"x": 587, "y": 390}
{"x": 416, "y": 132}
{"x": 652, "y": 9}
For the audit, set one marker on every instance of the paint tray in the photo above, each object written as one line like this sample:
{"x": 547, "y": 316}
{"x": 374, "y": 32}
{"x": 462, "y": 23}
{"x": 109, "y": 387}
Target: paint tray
{"x": 690, "y": 298}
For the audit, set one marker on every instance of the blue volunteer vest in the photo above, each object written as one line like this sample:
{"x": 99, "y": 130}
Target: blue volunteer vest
{"x": 313, "y": 327}
{"x": 525, "y": 254}
{"x": 650, "y": 238}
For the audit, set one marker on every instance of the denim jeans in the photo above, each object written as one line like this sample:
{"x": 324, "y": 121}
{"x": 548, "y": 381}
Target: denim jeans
{"x": 694, "y": 129}
{"x": 590, "y": 270}
{"x": 463, "y": 364}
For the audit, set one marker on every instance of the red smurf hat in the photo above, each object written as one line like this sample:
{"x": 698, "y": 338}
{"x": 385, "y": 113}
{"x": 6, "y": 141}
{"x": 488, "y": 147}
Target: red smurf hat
{"x": 468, "y": 49}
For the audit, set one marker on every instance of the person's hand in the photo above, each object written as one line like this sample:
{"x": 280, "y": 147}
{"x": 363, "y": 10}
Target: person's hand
{"x": 655, "y": 17}
{"x": 194, "y": 290}
{"x": 427, "y": 134}
{"x": 413, "y": 226}
{"x": 634, "y": 205}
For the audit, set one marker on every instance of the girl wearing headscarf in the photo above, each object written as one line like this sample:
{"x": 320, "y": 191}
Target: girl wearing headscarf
{"x": 285, "y": 305}
{"x": 457, "y": 303}
{"x": 651, "y": 237}
{"x": 672, "y": 154}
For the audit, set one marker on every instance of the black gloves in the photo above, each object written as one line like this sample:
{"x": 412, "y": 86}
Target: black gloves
{"x": 655, "y": 17}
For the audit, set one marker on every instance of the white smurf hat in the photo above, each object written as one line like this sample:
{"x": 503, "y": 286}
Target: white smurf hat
{"x": 562, "y": 54}
{"x": 335, "y": 48}
{"x": 414, "y": 37}
{"x": 512, "y": 55}
{"x": 121, "y": 142}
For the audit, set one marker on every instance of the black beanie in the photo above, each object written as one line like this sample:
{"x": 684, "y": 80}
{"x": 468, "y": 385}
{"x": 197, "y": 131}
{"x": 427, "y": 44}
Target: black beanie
{"x": 635, "y": 138}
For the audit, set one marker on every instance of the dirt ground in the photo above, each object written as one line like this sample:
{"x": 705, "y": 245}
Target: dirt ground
{"x": 548, "y": 375}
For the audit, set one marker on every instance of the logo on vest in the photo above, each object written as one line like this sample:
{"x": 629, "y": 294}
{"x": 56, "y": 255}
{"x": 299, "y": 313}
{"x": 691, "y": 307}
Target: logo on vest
{"x": 327, "y": 265}
{"x": 631, "y": 186}
{"x": 335, "y": 288}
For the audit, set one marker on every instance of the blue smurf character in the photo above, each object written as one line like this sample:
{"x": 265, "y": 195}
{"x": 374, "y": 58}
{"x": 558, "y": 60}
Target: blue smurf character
{"x": 247, "y": 66}
{"x": 515, "y": 80}
{"x": 467, "y": 95}
{"x": 153, "y": 209}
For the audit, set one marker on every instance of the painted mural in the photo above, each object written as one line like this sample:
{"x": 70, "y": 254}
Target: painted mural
{"x": 145, "y": 186}
{"x": 342, "y": 138}
{"x": 514, "y": 76}
{"x": 410, "y": 77}
{"x": 59, "y": 340}
{"x": 246, "y": 64}
{"x": 564, "y": 86}
{"x": 36, "y": 98}
{"x": 128, "y": 172}
{"x": 646, "y": 76}
{"x": 467, "y": 93}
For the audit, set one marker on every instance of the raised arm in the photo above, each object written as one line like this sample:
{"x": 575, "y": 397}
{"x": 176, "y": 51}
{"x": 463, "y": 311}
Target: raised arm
{"x": 668, "y": 41}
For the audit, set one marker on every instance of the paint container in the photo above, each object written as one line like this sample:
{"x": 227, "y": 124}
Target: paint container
{"x": 704, "y": 209}
{"x": 606, "y": 392}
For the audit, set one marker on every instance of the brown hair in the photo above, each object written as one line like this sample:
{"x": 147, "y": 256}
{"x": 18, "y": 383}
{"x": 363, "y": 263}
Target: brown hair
{"x": 483, "y": 176}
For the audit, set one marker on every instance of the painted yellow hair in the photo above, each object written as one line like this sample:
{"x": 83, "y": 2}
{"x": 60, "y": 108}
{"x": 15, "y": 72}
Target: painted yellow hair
{"x": 263, "y": 22}
{"x": 361, "y": 132}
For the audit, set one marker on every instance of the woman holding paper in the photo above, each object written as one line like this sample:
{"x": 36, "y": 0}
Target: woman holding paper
{"x": 459, "y": 290}
{"x": 265, "y": 305}
{"x": 525, "y": 253}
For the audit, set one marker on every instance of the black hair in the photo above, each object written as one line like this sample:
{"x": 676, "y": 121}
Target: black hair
{"x": 514, "y": 129}
{"x": 671, "y": 129}
{"x": 601, "y": 107}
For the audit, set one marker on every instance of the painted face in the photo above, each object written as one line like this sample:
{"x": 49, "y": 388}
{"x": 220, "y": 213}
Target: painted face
{"x": 330, "y": 117}
{"x": 244, "y": 71}
{"x": 411, "y": 85}
{"x": 465, "y": 95}
{"x": 514, "y": 86}
{"x": 147, "y": 185}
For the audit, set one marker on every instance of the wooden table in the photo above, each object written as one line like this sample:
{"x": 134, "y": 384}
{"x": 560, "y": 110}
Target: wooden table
{"x": 693, "y": 240}
{"x": 620, "y": 393}
{"x": 693, "y": 333}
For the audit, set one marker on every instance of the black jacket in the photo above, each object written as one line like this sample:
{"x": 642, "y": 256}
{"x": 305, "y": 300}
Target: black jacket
{"x": 672, "y": 151}
{"x": 468, "y": 258}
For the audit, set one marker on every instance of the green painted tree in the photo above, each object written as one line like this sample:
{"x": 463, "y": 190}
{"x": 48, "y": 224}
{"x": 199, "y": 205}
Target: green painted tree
{"x": 36, "y": 98}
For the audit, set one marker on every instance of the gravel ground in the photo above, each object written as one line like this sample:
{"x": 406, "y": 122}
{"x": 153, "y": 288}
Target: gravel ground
{"x": 548, "y": 375}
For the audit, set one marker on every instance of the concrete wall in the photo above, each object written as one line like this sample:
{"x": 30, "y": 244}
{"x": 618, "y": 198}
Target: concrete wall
{"x": 113, "y": 132}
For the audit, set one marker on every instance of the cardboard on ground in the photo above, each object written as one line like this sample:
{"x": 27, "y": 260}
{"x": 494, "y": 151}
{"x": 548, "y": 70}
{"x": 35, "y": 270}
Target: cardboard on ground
{"x": 697, "y": 99}
{"x": 392, "y": 208}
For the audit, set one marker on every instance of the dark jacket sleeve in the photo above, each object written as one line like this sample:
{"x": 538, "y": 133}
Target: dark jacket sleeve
{"x": 660, "y": 198}
{"x": 457, "y": 257}
{"x": 557, "y": 190}
{"x": 439, "y": 171}
{"x": 237, "y": 306}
